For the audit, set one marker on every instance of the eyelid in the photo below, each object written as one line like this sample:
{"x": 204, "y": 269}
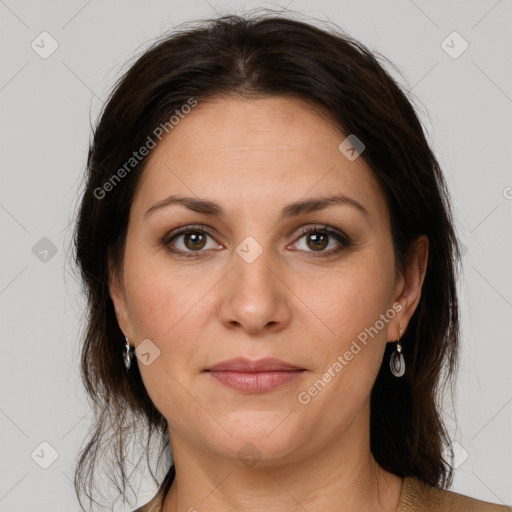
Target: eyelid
{"x": 323, "y": 228}
{"x": 332, "y": 232}
{"x": 339, "y": 235}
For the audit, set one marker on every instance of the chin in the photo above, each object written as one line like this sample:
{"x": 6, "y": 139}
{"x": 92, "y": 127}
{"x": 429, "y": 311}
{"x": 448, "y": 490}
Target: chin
{"x": 265, "y": 435}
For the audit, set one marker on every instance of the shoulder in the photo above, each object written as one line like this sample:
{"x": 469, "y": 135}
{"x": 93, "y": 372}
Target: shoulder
{"x": 155, "y": 505}
{"x": 417, "y": 496}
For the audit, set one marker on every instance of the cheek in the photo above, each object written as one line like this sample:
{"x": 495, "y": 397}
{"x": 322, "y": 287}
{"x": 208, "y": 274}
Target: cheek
{"x": 160, "y": 300}
{"x": 163, "y": 309}
{"x": 352, "y": 298}
{"x": 355, "y": 309}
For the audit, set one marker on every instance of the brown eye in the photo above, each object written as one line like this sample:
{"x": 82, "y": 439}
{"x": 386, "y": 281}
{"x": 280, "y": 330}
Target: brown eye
{"x": 194, "y": 240}
{"x": 190, "y": 242}
{"x": 317, "y": 241}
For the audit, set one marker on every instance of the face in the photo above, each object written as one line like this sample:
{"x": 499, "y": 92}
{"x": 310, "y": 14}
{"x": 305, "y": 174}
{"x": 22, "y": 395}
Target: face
{"x": 240, "y": 277}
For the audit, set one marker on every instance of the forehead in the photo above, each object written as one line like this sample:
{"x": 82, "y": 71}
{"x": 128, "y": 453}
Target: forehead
{"x": 237, "y": 125}
{"x": 266, "y": 151}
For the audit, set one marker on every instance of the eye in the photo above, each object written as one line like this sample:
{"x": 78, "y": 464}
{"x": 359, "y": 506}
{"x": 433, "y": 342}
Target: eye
{"x": 318, "y": 239}
{"x": 188, "y": 240}
{"x": 191, "y": 241}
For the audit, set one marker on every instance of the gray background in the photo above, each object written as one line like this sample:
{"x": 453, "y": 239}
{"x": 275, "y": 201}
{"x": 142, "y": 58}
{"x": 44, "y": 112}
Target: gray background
{"x": 46, "y": 105}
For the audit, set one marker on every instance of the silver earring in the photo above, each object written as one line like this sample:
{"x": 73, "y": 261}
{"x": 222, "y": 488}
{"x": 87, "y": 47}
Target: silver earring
{"x": 127, "y": 354}
{"x": 396, "y": 361}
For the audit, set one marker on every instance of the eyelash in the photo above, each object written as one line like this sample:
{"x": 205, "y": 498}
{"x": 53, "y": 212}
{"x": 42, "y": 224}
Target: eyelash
{"x": 343, "y": 239}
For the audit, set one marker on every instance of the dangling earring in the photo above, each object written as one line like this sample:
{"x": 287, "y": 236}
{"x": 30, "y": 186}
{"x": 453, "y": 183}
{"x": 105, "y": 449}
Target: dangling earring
{"x": 127, "y": 354}
{"x": 396, "y": 361}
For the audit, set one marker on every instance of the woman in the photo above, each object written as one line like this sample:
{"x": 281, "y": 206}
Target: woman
{"x": 266, "y": 228}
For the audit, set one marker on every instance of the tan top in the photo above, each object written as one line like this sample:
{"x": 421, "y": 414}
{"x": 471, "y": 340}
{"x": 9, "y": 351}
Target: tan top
{"x": 415, "y": 496}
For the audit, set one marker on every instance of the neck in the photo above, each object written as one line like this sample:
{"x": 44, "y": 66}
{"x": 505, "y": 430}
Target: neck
{"x": 340, "y": 476}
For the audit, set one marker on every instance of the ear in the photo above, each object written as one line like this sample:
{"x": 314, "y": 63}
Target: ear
{"x": 408, "y": 287}
{"x": 118, "y": 296}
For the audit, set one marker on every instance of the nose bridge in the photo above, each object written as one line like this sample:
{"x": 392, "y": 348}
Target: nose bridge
{"x": 255, "y": 264}
{"x": 255, "y": 297}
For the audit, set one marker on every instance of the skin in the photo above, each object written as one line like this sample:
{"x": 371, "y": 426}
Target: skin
{"x": 253, "y": 157}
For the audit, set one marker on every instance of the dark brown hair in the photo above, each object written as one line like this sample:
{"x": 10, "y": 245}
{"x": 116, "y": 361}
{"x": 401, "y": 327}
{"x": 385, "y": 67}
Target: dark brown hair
{"x": 254, "y": 56}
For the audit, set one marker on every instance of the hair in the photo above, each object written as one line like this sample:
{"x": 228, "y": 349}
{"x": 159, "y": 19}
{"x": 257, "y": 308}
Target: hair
{"x": 258, "y": 56}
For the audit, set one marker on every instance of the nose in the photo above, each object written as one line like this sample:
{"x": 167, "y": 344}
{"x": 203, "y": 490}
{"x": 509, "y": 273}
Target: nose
{"x": 255, "y": 298}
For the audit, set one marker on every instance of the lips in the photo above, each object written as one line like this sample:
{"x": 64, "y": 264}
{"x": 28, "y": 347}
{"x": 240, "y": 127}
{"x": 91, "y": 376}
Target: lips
{"x": 242, "y": 364}
{"x": 257, "y": 376}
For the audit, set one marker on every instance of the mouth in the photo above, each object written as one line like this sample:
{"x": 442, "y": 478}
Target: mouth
{"x": 255, "y": 376}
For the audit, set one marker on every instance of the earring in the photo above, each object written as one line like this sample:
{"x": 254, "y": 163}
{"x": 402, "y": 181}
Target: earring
{"x": 396, "y": 361}
{"x": 127, "y": 354}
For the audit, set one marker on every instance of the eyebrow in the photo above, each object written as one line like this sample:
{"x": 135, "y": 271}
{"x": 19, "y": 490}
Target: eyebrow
{"x": 292, "y": 210}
